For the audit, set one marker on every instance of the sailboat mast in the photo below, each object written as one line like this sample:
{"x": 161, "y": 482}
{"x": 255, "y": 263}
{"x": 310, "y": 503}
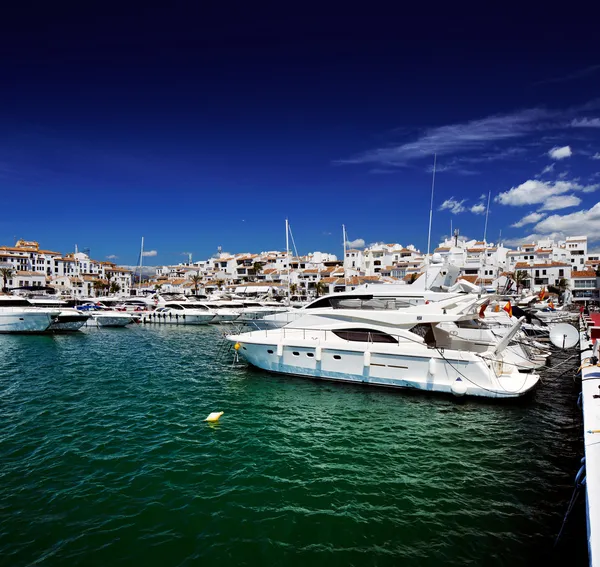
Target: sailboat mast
{"x": 344, "y": 264}
{"x": 487, "y": 212}
{"x": 430, "y": 219}
{"x": 287, "y": 254}
{"x": 141, "y": 264}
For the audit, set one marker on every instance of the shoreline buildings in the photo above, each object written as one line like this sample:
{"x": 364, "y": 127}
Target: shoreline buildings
{"x": 541, "y": 265}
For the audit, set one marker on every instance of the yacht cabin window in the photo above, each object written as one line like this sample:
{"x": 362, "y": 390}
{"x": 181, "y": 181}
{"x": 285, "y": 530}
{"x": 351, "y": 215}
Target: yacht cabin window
{"x": 365, "y": 336}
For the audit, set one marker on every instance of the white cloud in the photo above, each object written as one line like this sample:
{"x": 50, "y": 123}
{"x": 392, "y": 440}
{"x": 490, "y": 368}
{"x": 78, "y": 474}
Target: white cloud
{"x": 596, "y": 155}
{"x": 580, "y": 222}
{"x": 533, "y": 192}
{"x": 548, "y": 169}
{"x": 531, "y": 218}
{"x": 586, "y": 122}
{"x": 560, "y": 153}
{"x": 453, "y": 206}
{"x": 149, "y": 253}
{"x": 560, "y": 202}
{"x": 357, "y": 243}
{"x": 478, "y": 209}
{"x": 455, "y": 138}
{"x": 112, "y": 257}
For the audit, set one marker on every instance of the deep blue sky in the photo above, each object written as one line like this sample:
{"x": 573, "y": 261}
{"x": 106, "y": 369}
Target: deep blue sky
{"x": 198, "y": 126}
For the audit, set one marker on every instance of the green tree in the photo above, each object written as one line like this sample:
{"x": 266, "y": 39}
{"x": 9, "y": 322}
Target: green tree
{"x": 157, "y": 287}
{"x": 520, "y": 277}
{"x": 99, "y": 287}
{"x": 6, "y": 273}
{"x": 196, "y": 280}
{"x": 114, "y": 288}
{"x": 320, "y": 288}
{"x": 412, "y": 278}
{"x": 256, "y": 269}
{"x": 293, "y": 288}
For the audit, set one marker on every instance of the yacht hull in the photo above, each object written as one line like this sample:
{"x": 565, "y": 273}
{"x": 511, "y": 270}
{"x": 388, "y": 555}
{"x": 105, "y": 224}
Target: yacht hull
{"x": 97, "y": 320}
{"x": 386, "y": 370}
{"x": 170, "y": 319}
{"x": 31, "y": 322}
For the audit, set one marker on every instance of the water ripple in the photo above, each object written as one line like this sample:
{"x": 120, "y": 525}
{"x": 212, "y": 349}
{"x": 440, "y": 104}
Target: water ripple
{"x": 106, "y": 460}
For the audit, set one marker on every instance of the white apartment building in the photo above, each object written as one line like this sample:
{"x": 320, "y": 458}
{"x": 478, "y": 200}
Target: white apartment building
{"x": 71, "y": 273}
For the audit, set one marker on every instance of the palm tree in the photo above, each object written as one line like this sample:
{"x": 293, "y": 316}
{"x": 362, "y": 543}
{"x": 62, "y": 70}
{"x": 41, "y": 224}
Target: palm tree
{"x": 320, "y": 288}
{"x": 257, "y": 268}
{"x": 98, "y": 286}
{"x": 196, "y": 280}
{"x": 114, "y": 288}
{"x": 109, "y": 276}
{"x": 412, "y": 279}
{"x": 219, "y": 283}
{"x": 6, "y": 273}
{"x": 520, "y": 277}
{"x": 293, "y": 288}
{"x": 157, "y": 287}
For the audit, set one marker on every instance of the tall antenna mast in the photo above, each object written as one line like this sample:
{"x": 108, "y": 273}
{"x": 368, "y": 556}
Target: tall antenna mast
{"x": 430, "y": 219}
{"x": 487, "y": 212}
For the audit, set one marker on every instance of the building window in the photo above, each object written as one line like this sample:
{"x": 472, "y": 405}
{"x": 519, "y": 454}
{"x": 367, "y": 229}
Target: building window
{"x": 561, "y": 273}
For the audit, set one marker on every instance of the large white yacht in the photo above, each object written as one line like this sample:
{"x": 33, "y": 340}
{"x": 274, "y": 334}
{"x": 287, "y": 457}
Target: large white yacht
{"x": 405, "y": 348}
{"x": 69, "y": 319}
{"x": 18, "y": 316}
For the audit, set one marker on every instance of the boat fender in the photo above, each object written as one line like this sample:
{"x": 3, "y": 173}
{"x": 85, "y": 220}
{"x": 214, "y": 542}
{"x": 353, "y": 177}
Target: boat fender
{"x": 367, "y": 358}
{"x": 432, "y": 366}
{"x": 183, "y": 316}
{"x": 280, "y": 349}
{"x": 236, "y": 346}
{"x": 318, "y": 353}
{"x": 177, "y": 316}
{"x": 459, "y": 388}
{"x": 498, "y": 367}
{"x": 170, "y": 315}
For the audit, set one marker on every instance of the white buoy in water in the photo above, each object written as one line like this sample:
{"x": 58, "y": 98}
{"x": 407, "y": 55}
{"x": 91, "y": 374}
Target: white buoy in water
{"x": 459, "y": 388}
{"x": 214, "y": 416}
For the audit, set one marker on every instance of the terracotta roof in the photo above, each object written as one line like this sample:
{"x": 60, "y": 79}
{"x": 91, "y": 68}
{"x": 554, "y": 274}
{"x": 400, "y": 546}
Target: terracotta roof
{"x": 583, "y": 274}
{"x": 29, "y": 273}
{"x": 408, "y": 277}
{"x": 442, "y": 249}
{"x": 311, "y": 271}
{"x": 519, "y": 265}
{"x": 475, "y": 250}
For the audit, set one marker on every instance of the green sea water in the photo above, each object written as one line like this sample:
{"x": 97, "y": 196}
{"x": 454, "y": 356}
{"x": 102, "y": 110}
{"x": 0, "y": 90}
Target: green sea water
{"x": 105, "y": 460}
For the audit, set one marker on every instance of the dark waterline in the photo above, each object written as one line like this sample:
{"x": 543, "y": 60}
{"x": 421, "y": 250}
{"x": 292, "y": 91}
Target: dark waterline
{"x": 105, "y": 460}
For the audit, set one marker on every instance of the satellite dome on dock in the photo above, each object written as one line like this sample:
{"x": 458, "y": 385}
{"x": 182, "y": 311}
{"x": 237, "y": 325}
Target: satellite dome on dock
{"x": 436, "y": 258}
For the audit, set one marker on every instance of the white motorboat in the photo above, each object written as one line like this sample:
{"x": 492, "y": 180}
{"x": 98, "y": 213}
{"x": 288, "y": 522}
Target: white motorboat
{"x": 18, "y": 316}
{"x": 105, "y": 317}
{"x": 69, "y": 319}
{"x": 180, "y": 313}
{"x": 366, "y": 297}
{"x": 404, "y": 348}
